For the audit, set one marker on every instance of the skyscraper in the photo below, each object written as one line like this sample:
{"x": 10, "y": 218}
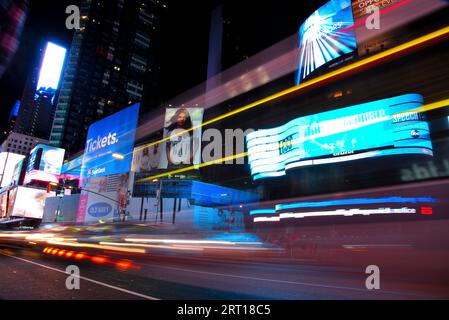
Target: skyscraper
{"x": 41, "y": 92}
{"x": 113, "y": 63}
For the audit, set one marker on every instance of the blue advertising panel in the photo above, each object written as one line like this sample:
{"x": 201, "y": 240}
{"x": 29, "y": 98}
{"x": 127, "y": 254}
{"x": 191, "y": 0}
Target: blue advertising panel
{"x": 326, "y": 35}
{"x": 379, "y": 128}
{"x": 73, "y": 167}
{"x": 109, "y": 145}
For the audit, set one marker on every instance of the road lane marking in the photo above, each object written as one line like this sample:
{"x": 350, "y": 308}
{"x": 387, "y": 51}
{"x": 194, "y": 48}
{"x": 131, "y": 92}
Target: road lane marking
{"x": 86, "y": 279}
{"x": 288, "y": 282}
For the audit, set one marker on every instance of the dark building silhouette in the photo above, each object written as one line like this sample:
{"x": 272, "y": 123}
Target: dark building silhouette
{"x": 40, "y": 95}
{"x": 113, "y": 63}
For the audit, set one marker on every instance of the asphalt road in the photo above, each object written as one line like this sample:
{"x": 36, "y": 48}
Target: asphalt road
{"x": 27, "y": 274}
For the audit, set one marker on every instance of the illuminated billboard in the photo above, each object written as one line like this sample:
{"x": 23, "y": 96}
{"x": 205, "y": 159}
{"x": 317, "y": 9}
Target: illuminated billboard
{"x": 373, "y": 129}
{"x": 51, "y": 68}
{"x": 326, "y": 35}
{"x": 72, "y": 169}
{"x": 183, "y": 133}
{"x": 346, "y": 207}
{"x": 109, "y": 145}
{"x": 28, "y": 202}
{"x": 102, "y": 198}
{"x": 8, "y": 163}
{"x": 44, "y": 164}
{"x": 146, "y": 158}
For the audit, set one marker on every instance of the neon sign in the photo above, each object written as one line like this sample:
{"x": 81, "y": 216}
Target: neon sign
{"x": 326, "y": 35}
{"x": 373, "y": 129}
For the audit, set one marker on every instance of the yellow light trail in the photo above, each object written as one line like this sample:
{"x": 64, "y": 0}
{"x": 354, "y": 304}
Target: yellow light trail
{"x": 194, "y": 167}
{"x": 356, "y": 65}
{"x": 425, "y": 108}
{"x": 339, "y": 72}
{"x": 432, "y": 106}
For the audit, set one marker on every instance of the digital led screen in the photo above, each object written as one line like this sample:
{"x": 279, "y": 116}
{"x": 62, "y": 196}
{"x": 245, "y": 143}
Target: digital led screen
{"x": 373, "y": 129}
{"x": 17, "y": 173}
{"x": 326, "y": 35}
{"x": 8, "y": 163}
{"x": 44, "y": 164}
{"x": 109, "y": 145}
{"x": 28, "y": 202}
{"x": 72, "y": 169}
{"x": 345, "y": 208}
{"x": 405, "y": 201}
{"x": 52, "y": 66}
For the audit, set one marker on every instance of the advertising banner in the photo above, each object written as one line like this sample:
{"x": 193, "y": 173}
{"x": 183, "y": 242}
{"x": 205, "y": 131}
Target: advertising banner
{"x": 103, "y": 198}
{"x": 326, "y": 35}
{"x": 110, "y": 143}
{"x": 146, "y": 158}
{"x": 73, "y": 167}
{"x": 8, "y": 163}
{"x": 51, "y": 69}
{"x": 17, "y": 173}
{"x": 183, "y": 133}
{"x": 379, "y": 128}
{"x": 45, "y": 164}
{"x": 392, "y": 16}
{"x": 28, "y": 202}
{"x": 3, "y": 204}
{"x": 106, "y": 165}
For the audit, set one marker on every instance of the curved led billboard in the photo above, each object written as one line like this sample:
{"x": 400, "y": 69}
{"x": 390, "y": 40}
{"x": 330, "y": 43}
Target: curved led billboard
{"x": 326, "y": 35}
{"x": 373, "y": 129}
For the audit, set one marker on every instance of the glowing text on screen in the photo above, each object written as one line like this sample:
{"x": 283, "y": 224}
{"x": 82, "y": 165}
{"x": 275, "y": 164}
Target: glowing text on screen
{"x": 373, "y": 129}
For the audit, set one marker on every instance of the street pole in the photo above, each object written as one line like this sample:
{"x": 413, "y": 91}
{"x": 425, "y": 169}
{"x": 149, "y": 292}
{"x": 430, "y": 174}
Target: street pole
{"x": 174, "y": 210}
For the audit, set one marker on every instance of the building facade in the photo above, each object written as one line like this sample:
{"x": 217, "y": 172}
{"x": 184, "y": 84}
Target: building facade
{"x": 113, "y": 60}
{"x": 20, "y": 143}
{"x": 41, "y": 91}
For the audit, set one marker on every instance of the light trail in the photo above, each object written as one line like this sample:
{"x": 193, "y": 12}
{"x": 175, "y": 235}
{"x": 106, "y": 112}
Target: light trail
{"x": 339, "y": 72}
{"x": 333, "y": 75}
{"x": 425, "y": 108}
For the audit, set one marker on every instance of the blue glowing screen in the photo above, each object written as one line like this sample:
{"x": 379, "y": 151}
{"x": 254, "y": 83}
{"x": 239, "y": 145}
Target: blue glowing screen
{"x": 326, "y": 35}
{"x": 373, "y": 129}
{"x": 110, "y": 143}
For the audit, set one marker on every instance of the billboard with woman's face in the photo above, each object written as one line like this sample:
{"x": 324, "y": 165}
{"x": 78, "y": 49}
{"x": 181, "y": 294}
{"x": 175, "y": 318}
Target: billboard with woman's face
{"x": 182, "y": 138}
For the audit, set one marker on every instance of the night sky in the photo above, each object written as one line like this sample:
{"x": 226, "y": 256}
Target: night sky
{"x": 185, "y": 35}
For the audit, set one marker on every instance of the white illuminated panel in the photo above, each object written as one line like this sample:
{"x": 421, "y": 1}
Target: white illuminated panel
{"x": 52, "y": 66}
{"x": 341, "y": 212}
{"x": 29, "y": 203}
{"x": 8, "y": 161}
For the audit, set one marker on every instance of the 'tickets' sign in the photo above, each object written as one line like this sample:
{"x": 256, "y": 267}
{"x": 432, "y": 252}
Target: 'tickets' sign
{"x": 109, "y": 145}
